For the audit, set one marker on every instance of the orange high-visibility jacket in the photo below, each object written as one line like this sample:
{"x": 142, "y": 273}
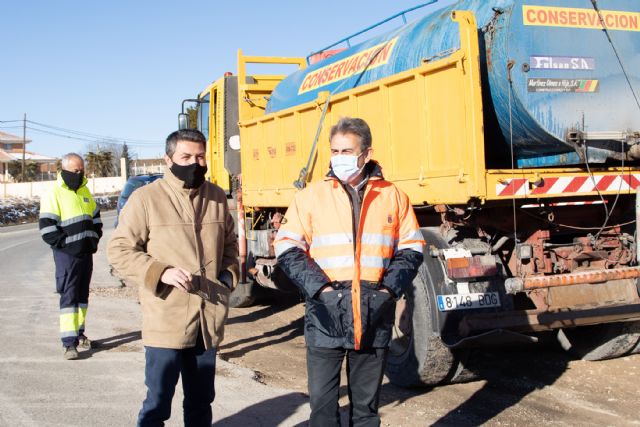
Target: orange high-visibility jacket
{"x": 319, "y": 222}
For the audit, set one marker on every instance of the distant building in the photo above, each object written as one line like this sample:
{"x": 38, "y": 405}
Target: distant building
{"x": 146, "y": 166}
{"x": 11, "y": 147}
{"x": 12, "y": 143}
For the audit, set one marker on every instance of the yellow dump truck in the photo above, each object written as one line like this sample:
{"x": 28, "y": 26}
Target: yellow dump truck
{"x": 514, "y": 128}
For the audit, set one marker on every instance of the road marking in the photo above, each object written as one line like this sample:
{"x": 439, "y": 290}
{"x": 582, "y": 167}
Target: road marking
{"x": 55, "y": 358}
{"x": 4, "y": 248}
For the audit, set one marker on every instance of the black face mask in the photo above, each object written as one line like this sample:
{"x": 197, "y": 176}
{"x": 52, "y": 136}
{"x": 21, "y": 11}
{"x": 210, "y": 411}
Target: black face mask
{"x": 192, "y": 175}
{"x": 72, "y": 179}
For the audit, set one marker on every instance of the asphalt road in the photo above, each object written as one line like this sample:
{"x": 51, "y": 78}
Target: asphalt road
{"x": 106, "y": 386}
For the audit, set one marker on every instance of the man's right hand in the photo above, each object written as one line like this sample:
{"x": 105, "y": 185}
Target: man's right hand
{"x": 178, "y": 277}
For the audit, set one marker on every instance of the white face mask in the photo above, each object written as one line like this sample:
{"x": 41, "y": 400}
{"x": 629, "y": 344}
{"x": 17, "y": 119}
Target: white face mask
{"x": 345, "y": 166}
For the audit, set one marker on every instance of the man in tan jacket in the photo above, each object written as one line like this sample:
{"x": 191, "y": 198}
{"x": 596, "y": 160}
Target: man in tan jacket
{"x": 176, "y": 239}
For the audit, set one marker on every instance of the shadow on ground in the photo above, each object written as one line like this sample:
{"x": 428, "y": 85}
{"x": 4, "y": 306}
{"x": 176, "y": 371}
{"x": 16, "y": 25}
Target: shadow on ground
{"x": 271, "y": 412}
{"x": 239, "y": 348}
{"x": 273, "y": 303}
{"x": 510, "y": 374}
{"x": 115, "y": 341}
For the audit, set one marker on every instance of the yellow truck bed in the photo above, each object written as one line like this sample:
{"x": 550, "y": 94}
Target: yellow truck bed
{"x": 427, "y": 127}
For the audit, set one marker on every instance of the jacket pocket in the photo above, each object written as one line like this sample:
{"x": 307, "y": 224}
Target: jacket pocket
{"x": 61, "y": 242}
{"x": 326, "y": 313}
{"x": 380, "y": 305}
{"x": 380, "y": 312}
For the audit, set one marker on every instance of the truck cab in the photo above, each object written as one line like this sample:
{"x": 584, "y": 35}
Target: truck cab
{"x": 226, "y": 101}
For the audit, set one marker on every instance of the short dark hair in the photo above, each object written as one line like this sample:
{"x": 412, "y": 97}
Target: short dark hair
{"x": 355, "y": 126}
{"x": 192, "y": 135}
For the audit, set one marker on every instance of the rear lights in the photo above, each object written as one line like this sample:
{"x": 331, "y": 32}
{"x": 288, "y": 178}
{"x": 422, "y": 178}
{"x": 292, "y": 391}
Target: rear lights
{"x": 470, "y": 267}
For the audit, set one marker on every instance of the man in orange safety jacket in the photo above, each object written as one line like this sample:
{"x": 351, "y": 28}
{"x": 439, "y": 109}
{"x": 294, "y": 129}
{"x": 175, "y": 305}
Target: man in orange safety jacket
{"x": 352, "y": 244}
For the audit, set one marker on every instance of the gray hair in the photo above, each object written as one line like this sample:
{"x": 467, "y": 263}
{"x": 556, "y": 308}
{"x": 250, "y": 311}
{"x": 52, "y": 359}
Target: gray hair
{"x": 69, "y": 156}
{"x": 355, "y": 126}
{"x": 192, "y": 135}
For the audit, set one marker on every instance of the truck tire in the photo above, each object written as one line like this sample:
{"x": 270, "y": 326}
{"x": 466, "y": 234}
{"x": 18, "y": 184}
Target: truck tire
{"x": 636, "y": 348}
{"x": 417, "y": 354}
{"x": 243, "y": 295}
{"x": 600, "y": 342}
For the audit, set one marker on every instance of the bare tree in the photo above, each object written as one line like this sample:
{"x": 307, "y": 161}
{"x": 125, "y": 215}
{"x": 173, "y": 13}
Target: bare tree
{"x": 117, "y": 150}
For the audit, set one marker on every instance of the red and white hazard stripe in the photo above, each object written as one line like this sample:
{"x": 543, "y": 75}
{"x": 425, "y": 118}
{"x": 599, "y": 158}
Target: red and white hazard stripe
{"x": 586, "y": 202}
{"x": 566, "y": 185}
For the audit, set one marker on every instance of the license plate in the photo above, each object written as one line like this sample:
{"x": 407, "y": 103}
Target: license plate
{"x": 467, "y": 301}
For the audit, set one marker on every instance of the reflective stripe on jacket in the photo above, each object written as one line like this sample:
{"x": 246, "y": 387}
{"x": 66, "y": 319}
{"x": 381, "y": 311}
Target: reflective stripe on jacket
{"x": 70, "y": 220}
{"x": 319, "y": 223}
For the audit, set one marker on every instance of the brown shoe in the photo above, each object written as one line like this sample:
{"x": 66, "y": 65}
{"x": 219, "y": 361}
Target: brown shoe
{"x": 70, "y": 353}
{"x": 84, "y": 343}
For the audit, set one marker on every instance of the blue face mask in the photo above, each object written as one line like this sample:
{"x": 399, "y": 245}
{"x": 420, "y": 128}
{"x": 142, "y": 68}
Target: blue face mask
{"x": 345, "y": 167}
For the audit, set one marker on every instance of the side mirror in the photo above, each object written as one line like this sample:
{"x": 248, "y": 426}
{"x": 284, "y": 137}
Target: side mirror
{"x": 183, "y": 121}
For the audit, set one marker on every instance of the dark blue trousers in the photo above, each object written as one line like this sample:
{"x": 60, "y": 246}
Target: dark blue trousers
{"x": 73, "y": 275}
{"x": 197, "y": 367}
{"x": 365, "y": 369}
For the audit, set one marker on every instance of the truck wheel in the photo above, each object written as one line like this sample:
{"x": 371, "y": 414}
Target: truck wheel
{"x": 417, "y": 355}
{"x": 636, "y": 349}
{"x": 245, "y": 294}
{"x": 599, "y": 342}
{"x": 242, "y": 295}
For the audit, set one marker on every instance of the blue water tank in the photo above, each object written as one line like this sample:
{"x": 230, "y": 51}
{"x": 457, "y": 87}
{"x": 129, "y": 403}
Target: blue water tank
{"x": 554, "y": 89}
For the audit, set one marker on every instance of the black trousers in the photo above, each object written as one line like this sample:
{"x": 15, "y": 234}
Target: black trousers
{"x": 365, "y": 369}
{"x": 73, "y": 275}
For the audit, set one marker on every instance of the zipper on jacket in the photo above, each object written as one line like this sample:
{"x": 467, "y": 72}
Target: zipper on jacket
{"x": 356, "y": 230}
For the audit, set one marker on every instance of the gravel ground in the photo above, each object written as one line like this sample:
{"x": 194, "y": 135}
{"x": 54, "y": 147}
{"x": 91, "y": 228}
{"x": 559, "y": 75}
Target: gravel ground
{"x": 522, "y": 386}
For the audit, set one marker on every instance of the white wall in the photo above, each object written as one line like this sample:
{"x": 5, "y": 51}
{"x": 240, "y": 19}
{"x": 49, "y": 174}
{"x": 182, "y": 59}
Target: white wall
{"x": 38, "y": 188}
{"x": 97, "y": 186}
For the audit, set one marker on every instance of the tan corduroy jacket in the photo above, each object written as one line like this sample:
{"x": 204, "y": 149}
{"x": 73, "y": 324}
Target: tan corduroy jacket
{"x": 165, "y": 225}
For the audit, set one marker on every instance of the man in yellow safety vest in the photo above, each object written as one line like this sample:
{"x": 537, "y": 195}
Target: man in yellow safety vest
{"x": 70, "y": 223}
